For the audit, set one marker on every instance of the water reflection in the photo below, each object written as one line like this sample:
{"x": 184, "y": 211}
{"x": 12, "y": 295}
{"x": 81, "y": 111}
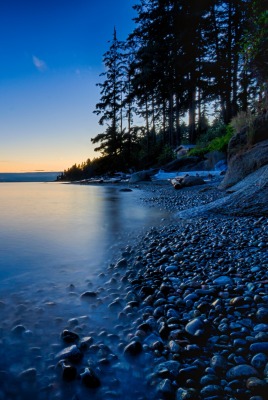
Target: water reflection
{"x": 53, "y": 241}
{"x": 46, "y": 226}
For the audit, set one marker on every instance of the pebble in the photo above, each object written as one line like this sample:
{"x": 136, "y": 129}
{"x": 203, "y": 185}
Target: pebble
{"x": 241, "y": 371}
{"x": 261, "y": 347}
{"x": 187, "y": 307}
{"x": 90, "y": 379}
{"x": 133, "y": 348}
{"x": 71, "y": 353}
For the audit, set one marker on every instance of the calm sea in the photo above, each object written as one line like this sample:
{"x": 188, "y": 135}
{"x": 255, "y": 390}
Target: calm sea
{"x": 55, "y": 239}
{"x": 28, "y": 176}
{"x": 46, "y": 228}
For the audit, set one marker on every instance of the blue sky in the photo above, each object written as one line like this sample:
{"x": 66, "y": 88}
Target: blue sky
{"x": 50, "y": 60}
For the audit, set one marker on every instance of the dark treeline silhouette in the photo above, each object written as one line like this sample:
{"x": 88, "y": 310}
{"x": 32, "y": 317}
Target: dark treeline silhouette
{"x": 184, "y": 62}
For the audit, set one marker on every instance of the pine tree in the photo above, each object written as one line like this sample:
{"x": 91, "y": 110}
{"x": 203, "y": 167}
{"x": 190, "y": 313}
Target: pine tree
{"x": 110, "y": 105}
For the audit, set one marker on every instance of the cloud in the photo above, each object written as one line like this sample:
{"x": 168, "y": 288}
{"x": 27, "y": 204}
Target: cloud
{"x": 39, "y": 64}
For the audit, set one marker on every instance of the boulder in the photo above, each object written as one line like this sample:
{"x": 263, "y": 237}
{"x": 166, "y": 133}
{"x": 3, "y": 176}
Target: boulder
{"x": 248, "y": 197}
{"x": 244, "y": 163}
{"x": 192, "y": 181}
{"x": 247, "y": 151}
{"x": 142, "y": 176}
{"x": 186, "y": 181}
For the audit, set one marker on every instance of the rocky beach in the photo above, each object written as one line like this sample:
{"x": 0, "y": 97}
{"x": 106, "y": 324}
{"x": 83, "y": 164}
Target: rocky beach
{"x": 180, "y": 313}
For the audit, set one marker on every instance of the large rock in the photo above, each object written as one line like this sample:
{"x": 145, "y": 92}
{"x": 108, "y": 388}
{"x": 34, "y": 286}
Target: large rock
{"x": 142, "y": 176}
{"x": 186, "y": 181}
{"x": 248, "y": 197}
{"x": 244, "y": 163}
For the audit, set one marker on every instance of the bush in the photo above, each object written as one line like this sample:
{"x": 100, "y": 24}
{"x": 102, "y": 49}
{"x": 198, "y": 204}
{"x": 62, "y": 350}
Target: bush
{"x": 216, "y": 144}
{"x": 218, "y": 129}
{"x": 241, "y": 120}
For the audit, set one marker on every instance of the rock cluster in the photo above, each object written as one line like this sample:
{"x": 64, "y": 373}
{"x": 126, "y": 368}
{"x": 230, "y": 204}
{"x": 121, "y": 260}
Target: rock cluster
{"x": 192, "y": 312}
{"x": 181, "y": 315}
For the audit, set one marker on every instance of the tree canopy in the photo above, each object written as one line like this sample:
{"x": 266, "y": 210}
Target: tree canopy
{"x": 184, "y": 62}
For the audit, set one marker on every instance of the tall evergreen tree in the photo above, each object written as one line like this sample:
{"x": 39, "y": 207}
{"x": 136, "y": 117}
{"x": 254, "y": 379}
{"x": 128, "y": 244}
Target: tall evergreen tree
{"x": 110, "y": 105}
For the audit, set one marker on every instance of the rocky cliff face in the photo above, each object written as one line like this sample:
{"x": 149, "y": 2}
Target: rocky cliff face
{"x": 247, "y": 152}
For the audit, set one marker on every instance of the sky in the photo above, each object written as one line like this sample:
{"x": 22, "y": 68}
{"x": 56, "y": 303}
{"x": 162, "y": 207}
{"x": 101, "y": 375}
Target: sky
{"x": 51, "y": 55}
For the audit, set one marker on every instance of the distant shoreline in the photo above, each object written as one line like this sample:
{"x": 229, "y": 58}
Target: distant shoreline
{"x": 28, "y": 176}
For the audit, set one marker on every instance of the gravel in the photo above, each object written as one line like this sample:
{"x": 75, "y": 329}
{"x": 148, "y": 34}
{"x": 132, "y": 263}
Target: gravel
{"x": 182, "y": 314}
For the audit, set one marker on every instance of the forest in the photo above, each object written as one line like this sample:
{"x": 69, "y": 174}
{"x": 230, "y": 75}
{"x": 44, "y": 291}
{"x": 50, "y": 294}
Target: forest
{"x": 186, "y": 71}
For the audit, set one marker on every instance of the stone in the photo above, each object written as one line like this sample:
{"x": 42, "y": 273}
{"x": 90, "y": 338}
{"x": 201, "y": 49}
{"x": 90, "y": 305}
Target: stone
{"x": 141, "y": 176}
{"x": 69, "y": 336}
{"x": 257, "y": 386}
{"x": 18, "y": 330}
{"x": 171, "y": 366}
{"x": 165, "y": 388}
{"x": 218, "y": 362}
{"x": 71, "y": 353}
{"x": 186, "y": 394}
{"x": 122, "y": 263}
{"x": 195, "y": 328}
{"x": 90, "y": 379}
{"x": 261, "y": 328}
{"x": 28, "y": 375}
{"x": 69, "y": 372}
{"x": 262, "y": 315}
{"x": 85, "y": 342}
{"x": 261, "y": 347}
{"x": 223, "y": 280}
{"x": 88, "y": 295}
{"x": 241, "y": 371}
{"x": 259, "y": 361}
{"x": 133, "y": 348}
{"x": 211, "y": 390}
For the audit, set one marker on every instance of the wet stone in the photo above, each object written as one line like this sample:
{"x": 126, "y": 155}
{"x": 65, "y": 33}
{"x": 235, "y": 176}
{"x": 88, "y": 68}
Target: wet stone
{"x": 223, "y": 280}
{"x": 259, "y": 360}
{"x": 261, "y": 347}
{"x": 71, "y": 353}
{"x": 209, "y": 380}
{"x": 257, "y": 386}
{"x": 165, "y": 388}
{"x": 196, "y": 328}
{"x": 18, "y": 330}
{"x": 90, "y": 379}
{"x": 69, "y": 336}
{"x": 69, "y": 372}
{"x": 28, "y": 375}
{"x": 186, "y": 394}
{"x": 211, "y": 390}
{"x": 133, "y": 348}
{"x": 88, "y": 295}
{"x": 171, "y": 366}
{"x": 241, "y": 371}
{"x": 218, "y": 362}
{"x": 262, "y": 315}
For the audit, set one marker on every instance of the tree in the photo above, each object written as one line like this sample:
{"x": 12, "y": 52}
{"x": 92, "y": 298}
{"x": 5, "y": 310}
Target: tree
{"x": 110, "y": 105}
{"x": 256, "y": 43}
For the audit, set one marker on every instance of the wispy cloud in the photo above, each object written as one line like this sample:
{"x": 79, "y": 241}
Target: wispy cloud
{"x": 39, "y": 64}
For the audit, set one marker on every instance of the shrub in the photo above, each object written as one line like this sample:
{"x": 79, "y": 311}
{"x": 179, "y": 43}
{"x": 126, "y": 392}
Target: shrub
{"x": 216, "y": 144}
{"x": 241, "y": 120}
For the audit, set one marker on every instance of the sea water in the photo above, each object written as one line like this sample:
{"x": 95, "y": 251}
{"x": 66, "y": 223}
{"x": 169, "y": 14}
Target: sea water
{"x": 46, "y": 228}
{"x": 56, "y": 240}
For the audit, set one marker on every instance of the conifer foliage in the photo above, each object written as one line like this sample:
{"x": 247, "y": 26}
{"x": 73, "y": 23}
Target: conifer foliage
{"x": 183, "y": 62}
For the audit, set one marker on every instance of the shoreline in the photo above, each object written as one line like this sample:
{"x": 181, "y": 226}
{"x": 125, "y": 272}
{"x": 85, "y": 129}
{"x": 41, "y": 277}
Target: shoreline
{"x": 182, "y": 314}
